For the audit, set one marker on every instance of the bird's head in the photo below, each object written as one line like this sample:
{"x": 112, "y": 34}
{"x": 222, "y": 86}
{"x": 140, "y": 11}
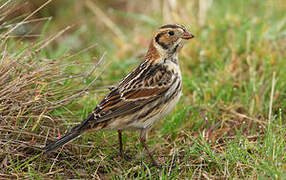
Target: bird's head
{"x": 168, "y": 40}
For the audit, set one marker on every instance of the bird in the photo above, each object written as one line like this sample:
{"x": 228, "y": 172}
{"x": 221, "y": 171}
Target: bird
{"x": 146, "y": 95}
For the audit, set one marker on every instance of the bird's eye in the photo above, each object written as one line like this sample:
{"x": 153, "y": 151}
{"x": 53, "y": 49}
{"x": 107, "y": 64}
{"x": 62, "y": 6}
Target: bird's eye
{"x": 171, "y": 33}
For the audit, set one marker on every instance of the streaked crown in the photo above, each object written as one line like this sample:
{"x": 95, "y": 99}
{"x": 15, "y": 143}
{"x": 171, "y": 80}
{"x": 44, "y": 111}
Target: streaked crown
{"x": 168, "y": 40}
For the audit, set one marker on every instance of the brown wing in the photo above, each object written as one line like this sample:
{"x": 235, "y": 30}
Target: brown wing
{"x": 141, "y": 87}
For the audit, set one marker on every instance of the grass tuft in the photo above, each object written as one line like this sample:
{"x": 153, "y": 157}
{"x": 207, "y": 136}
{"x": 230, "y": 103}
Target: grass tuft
{"x": 229, "y": 124}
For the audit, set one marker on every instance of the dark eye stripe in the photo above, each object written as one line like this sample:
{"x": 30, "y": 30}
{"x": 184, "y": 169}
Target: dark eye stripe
{"x": 157, "y": 39}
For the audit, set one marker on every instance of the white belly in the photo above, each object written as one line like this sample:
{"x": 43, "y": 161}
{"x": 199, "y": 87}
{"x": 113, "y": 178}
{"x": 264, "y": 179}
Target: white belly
{"x": 164, "y": 112}
{"x": 167, "y": 109}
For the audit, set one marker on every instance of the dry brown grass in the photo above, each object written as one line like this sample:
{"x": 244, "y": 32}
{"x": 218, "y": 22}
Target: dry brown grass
{"x": 31, "y": 88}
{"x": 229, "y": 124}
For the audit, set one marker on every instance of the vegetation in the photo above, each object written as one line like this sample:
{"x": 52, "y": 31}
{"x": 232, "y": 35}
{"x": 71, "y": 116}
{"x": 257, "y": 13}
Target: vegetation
{"x": 58, "y": 57}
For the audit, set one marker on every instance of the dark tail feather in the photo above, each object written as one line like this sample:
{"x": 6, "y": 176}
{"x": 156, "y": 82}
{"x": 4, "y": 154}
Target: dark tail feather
{"x": 75, "y": 132}
{"x": 65, "y": 139}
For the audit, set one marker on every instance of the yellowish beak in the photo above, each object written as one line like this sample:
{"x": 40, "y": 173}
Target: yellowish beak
{"x": 187, "y": 35}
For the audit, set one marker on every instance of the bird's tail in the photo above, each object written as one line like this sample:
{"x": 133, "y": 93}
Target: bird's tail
{"x": 75, "y": 132}
{"x": 63, "y": 140}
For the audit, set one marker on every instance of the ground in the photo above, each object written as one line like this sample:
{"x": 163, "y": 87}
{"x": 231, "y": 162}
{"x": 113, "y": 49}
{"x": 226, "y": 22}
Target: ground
{"x": 229, "y": 124}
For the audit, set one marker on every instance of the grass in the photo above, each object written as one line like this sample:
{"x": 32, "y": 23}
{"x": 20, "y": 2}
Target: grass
{"x": 230, "y": 123}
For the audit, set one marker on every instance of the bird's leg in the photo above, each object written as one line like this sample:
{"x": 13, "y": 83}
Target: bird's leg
{"x": 143, "y": 135}
{"x": 126, "y": 157}
{"x": 120, "y": 142}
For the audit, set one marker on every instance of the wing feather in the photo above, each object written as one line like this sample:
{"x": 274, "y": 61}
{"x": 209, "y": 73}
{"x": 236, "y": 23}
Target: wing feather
{"x": 128, "y": 98}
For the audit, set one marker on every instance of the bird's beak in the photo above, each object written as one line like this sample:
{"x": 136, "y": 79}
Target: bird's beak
{"x": 187, "y": 35}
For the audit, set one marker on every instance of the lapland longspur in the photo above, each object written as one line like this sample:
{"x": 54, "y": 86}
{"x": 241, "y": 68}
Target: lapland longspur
{"x": 144, "y": 96}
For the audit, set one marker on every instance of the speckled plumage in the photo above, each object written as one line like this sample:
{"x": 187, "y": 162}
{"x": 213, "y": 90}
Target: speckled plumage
{"x": 144, "y": 96}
